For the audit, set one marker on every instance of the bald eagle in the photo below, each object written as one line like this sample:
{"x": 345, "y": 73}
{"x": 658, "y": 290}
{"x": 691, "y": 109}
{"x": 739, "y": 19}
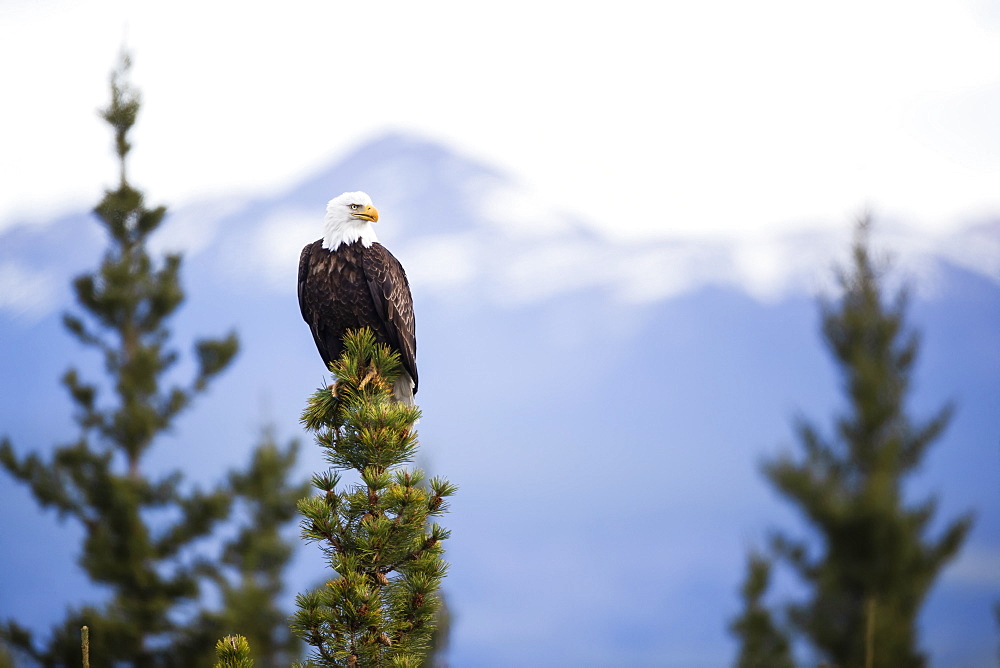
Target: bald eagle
{"x": 348, "y": 280}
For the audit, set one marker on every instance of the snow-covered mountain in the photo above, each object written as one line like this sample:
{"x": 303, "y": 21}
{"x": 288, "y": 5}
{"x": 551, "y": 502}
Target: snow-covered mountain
{"x": 603, "y": 405}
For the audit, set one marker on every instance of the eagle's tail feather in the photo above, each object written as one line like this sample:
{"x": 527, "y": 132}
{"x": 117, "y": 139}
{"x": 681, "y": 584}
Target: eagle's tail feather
{"x": 402, "y": 390}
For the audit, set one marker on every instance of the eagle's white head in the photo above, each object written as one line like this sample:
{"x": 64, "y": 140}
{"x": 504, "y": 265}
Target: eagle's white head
{"x": 349, "y": 218}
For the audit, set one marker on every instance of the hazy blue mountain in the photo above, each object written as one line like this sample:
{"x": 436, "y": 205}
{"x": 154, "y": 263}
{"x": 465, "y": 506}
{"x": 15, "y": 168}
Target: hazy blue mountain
{"x": 604, "y": 406}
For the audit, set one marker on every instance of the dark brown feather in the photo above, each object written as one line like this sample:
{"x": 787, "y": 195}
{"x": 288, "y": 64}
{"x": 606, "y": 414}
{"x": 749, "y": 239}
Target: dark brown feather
{"x": 354, "y": 287}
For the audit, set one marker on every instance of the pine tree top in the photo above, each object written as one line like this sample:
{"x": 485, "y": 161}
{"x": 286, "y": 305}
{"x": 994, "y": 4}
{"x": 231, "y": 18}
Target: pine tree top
{"x": 380, "y": 608}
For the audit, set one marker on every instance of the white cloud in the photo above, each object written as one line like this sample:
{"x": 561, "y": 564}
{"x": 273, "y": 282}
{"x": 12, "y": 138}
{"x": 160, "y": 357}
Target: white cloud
{"x": 443, "y": 262}
{"x": 655, "y": 272}
{"x": 25, "y": 292}
{"x": 518, "y": 211}
{"x": 976, "y": 248}
{"x": 193, "y": 228}
{"x": 269, "y": 252}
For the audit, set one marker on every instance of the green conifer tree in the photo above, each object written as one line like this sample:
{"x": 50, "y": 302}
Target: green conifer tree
{"x": 380, "y": 609}
{"x": 874, "y": 562}
{"x": 98, "y": 479}
{"x": 762, "y": 643}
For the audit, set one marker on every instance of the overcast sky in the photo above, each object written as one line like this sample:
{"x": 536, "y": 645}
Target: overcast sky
{"x": 695, "y": 118}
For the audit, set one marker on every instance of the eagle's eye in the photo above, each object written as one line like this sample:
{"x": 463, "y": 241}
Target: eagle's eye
{"x": 354, "y": 207}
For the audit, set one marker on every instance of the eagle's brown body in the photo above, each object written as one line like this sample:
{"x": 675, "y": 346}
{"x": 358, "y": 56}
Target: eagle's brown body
{"x": 354, "y": 287}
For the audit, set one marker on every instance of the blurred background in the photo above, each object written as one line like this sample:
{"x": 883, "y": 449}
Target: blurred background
{"x": 616, "y": 222}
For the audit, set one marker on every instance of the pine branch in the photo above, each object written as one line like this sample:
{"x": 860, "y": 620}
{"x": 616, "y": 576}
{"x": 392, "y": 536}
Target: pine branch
{"x": 233, "y": 652}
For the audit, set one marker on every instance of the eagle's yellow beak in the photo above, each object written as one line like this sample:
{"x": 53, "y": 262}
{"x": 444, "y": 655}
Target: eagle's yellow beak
{"x": 369, "y": 213}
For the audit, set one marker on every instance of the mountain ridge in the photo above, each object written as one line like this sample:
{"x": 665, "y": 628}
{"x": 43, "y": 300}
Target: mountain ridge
{"x": 458, "y": 224}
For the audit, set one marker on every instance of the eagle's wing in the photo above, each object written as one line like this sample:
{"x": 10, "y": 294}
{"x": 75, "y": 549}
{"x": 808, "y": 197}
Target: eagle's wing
{"x": 391, "y": 294}
{"x": 307, "y": 303}
{"x": 303, "y": 274}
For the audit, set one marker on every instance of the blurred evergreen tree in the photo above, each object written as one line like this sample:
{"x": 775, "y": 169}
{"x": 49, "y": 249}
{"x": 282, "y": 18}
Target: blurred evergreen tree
{"x": 258, "y": 555}
{"x": 440, "y": 636}
{"x": 875, "y": 562}
{"x": 381, "y": 607}
{"x": 762, "y": 643}
{"x": 141, "y": 531}
{"x": 996, "y": 614}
